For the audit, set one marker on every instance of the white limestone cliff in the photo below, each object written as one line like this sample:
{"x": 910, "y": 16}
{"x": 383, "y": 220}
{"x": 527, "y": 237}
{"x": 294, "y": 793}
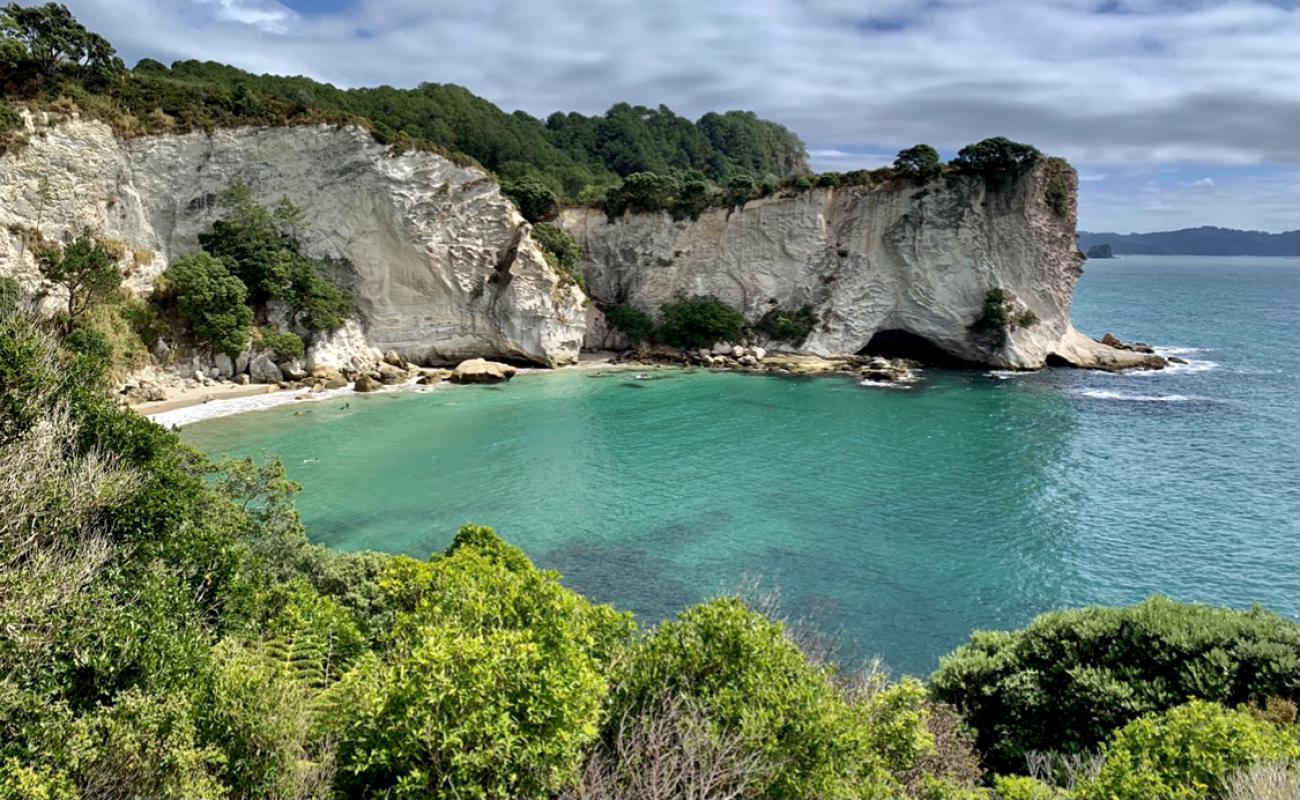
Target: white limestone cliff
{"x": 902, "y": 257}
{"x": 440, "y": 263}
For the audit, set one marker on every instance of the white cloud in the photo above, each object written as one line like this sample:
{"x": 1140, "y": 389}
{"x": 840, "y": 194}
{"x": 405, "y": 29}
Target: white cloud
{"x": 265, "y": 15}
{"x": 1199, "y": 182}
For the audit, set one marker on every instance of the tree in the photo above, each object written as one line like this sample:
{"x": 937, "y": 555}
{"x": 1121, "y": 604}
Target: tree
{"x": 631, "y": 321}
{"x": 52, "y": 37}
{"x": 212, "y": 302}
{"x": 998, "y": 155}
{"x": 648, "y": 191}
{"x": 919, "y": 161}
{"x": 84, "y": 269}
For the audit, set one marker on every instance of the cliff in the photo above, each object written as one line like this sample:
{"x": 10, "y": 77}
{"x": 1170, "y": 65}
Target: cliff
{"x": 900, "y": 265}
{"x": 440, "y": 263}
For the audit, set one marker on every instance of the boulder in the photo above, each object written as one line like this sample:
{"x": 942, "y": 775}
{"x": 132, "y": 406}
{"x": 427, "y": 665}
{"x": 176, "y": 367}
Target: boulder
{"x": 721, "y": 349}
{"x": 430, "y": 377}
{"x": 1175, "y": 360}
{"x": 365, "y": 383}
{"x": 391, "y": 357}
{"x": 737, "y": 351}
{"x": 390, "y": 375}
{"x": 293, "y": 369}
{"x": 242, "y": 379}
{"x": 748, "y": 361}
{"x": 758, "y": 352}
{"x": 329, "y": 377}
{"x": 479, "y": 370}
{"x": 262, "y": 368}
{"x": 1111, "y": 340}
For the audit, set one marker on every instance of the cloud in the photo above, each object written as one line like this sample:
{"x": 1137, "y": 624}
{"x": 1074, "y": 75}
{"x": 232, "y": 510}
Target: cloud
{"x": 1199, "y": 182}
{"x": 1125, "y": 83}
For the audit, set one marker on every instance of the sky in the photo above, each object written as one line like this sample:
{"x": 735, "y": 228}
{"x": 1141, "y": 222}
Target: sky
{"x": 1176, "y": 113}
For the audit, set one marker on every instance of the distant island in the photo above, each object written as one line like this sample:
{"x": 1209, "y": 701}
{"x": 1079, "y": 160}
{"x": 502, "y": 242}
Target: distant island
{"x": 1203, "y": 241}
{"x": 1100, "y": 251}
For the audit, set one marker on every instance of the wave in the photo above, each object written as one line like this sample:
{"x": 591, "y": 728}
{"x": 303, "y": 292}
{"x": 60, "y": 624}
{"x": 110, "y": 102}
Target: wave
{"x": 214, "y": 409}
{"x": 1105, "y": 394}
{"x": 1008, "y": 374}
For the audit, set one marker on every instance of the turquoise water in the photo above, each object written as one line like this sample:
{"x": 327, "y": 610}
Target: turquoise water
{"x": 899, "y": 519}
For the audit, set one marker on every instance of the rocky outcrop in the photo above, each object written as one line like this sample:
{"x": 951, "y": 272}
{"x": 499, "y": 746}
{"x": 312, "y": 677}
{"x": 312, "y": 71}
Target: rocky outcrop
{"x": 477, "y": 370}
{"x": 902, "y": 258}
{"x": 440, "y": 263}
{"x": 1100, "y": 251}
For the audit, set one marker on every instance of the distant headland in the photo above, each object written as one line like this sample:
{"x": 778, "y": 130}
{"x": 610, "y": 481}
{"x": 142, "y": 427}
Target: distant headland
{"x": 1203, "y": 241}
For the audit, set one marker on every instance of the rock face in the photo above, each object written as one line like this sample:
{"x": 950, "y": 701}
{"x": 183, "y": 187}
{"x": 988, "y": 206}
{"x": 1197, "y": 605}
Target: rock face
{"x": 899, "y": 258}
{"x": 440, "y": 263}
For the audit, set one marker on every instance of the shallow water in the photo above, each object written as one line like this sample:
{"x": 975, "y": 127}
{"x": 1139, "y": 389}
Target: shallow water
{"x": 899, "y": 519}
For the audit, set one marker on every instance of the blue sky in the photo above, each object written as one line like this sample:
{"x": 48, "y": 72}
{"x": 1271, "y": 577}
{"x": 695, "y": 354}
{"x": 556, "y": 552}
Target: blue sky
{"x": 1176, "y": 112}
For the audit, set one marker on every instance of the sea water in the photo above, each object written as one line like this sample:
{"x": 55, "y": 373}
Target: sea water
{"x": 895, "y": 520}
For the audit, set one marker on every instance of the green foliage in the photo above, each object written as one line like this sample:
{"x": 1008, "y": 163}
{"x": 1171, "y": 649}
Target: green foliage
{"x": 10, "y": 121}
{"x": 1019, "y": 787}
{"x": 286, "y": 344}
{"x": 536, "y": 201}
{"x": 1057, "y": 197}
{"x": 788, "y": 326}
{"x": 492, "y": 685}
{"x": 829, "y": 179}
{"x": 1071, "y": 677}
{"x": 49, "y": 38}
{"x": 749, "y": 679}
{"x": 210, "y": 300}
{"x": 919, "y": 162}
{"x": 993, "y": 316}
{"x": 995, "y": 156}
{"x": 83, "y": 269}
{"x": 90, "y": 343}
{"x": 562, "y": 251}
{"x": 11, "y": 294}
{"x": 1187, "y": 752}
{"x": 260, "y": 246}
{"x": 698, "y": 322}
{"x": 634, "y": 323}
{"x": 648, "y": 191}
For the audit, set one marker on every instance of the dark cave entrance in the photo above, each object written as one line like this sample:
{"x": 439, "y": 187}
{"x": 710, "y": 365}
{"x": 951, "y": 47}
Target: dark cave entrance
{"x": 897, "y": 343}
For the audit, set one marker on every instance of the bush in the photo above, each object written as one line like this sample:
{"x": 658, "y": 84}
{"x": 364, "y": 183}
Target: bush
{"x": 90, "y": 343}
{"x": 698, "y": 322}
{"x": 286, "y": 344}
{"x": 211, "y": 301}
{"x": 750, "y": 681}
{"x": 788, "y": 326}
{"x": 84, "y": 269}
{"x": 1070, "y": 678}
{"x": 1019, "y": 787}
{"x": 1189, "y": 751}
{"x": 491, "y": 686}
{"x": 1057, "y": 197}
{"x": 829, "y": 179}
{"x": 919, "y": 162}
{"x": 534, "y": 199}
{"x": 561, "y": 250}
{"x": 634, "y": 323}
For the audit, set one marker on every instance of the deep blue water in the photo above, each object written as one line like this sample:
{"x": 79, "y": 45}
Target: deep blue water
{"x": 899, "y": 520}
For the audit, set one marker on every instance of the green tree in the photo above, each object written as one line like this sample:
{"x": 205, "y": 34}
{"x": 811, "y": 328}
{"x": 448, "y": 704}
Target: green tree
{"x": 84, "y": 269}
{"x": 920, "y": 162}
{"x": 648, "y": 191}
{"x": 561, "y": 250}
{"x": 631, "y": 321}
{"x": 1070, "y": 678}
{"x": 699, "y": 322}
{"x": 53, "y": 37}
{"x": 211, "y": 301}
{"x": 998, "y": 155}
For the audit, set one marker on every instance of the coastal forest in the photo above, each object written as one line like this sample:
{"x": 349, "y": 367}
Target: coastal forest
{"x": 169, "y": 630}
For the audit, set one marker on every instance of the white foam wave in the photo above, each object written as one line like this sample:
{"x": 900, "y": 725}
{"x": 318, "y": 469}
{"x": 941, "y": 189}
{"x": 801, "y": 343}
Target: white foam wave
{"x": 1104, "y": 394}
{"x": 1181, "y": 351}
{"x": 1008, "y": 374}
{"x": 902, "y": 384}
{"x": 242, "y": 405}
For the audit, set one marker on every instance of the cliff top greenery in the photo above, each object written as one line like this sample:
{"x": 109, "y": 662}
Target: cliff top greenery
{"x": 631, "y": 158}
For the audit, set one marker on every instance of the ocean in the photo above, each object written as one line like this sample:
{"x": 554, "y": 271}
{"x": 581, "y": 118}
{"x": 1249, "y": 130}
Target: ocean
{"x": 896, "y": 521}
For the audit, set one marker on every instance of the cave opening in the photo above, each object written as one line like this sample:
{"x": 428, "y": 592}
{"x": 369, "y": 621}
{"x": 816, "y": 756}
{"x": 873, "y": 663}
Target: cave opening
{"x": 898, "y": 343}
{"x": 1057, "y": 360}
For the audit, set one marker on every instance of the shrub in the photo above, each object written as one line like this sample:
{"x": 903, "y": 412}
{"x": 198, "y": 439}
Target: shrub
{"x": 561, "y": 250}
{"x": 919, "y": 162}
{"x": 286, "y": 344}
{"x": 649, "y": 191}
{"x": 211, "y": 301}
{"x": 1019, "y": 787}
{"x": 631, "y": 321}
{"x": 1189, "y": 751}
{"x": 535, "y": 200}
{"x": 1057, "y": 197}
{"x": 90, "y": 343}
{"x": 750, "y": 681}
{"x": 11, "y": 294}
{"x": 698, "y": 322}
{"x": 1071, "y": 677}
{"x": 829, "y": 179}
{"x": 788, "y": 326}
{"x": 492, "y": 685}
